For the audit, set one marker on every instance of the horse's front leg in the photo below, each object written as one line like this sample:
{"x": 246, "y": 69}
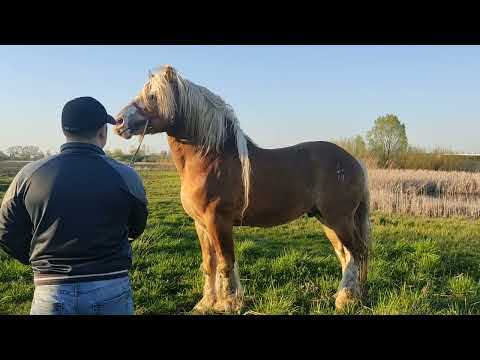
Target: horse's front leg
{"x": 209, "y": 269}
{"x": 229, "y": 292}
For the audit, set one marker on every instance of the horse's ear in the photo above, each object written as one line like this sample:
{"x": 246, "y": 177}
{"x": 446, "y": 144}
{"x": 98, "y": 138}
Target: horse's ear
{"x": 169, "y": 72}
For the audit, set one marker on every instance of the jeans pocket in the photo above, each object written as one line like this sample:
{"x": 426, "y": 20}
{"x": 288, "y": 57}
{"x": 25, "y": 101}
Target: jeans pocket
{"x": 120, "y": 304}
{"x": 42, "y": 307}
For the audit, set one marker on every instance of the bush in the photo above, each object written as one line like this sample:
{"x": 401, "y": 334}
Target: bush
{"x": 414, "y": 158}
{"x": 439, "y": 159}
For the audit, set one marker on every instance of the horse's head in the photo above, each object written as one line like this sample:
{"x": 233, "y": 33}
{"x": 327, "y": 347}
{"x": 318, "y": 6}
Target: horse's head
{"x": 153, "y": 110}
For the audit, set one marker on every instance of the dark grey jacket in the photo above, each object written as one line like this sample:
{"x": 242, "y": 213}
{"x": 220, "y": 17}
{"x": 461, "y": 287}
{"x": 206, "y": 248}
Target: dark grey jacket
{"x": 71, "y": 216}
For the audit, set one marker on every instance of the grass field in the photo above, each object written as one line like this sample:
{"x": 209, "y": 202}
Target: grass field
{"x": 419, "y": 265}
{"x": 10, "y": 168}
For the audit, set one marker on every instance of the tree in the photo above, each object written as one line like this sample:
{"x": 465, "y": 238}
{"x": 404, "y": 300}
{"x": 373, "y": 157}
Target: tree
{"x": 3, "y": 156}
{"x": 24, "y": 153}
{"x": 387, "y": 139}
{"x": 359, "y": 146}
{"x": 117, "y": 154}
{"x": 142, "y": 152}
{"x": 354, "y": 145}
{"x": 15, "y": 152}
{"x": 32, "y": 153}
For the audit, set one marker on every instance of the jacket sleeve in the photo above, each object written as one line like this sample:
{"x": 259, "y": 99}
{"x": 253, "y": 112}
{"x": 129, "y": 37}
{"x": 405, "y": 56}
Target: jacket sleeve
{"x": 15, "y": 224}
{"x": 138, "y": 210}
{"x": 138, "y": 219}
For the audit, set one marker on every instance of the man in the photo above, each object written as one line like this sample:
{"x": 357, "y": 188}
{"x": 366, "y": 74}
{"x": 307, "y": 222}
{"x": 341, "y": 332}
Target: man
{"x": 71, "y": 217}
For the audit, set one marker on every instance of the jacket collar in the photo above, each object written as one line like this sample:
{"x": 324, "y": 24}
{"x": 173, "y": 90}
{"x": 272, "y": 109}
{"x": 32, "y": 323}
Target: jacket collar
{"x": 81, "y": 147}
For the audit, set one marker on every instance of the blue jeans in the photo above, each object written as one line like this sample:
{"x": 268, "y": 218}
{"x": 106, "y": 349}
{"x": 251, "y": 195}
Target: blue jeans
{"x": 104, "y": 297}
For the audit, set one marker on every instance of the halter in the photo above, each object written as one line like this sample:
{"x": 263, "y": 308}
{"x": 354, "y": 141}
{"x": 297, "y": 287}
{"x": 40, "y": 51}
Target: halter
{"x": 149, "y": 119}
{"x": 144, "y": 114}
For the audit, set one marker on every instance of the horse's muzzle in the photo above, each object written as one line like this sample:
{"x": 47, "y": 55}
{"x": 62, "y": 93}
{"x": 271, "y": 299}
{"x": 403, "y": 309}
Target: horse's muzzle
{"x": 122, "y": 130}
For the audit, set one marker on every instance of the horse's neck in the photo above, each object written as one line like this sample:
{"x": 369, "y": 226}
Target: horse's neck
{"x": 179, "y": 153}
{"x": 184, "y": 153}
{"x": 181, "y": 146}
{"x": 184, "y": 148}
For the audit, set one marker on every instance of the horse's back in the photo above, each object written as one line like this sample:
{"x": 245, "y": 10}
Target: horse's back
{"x": 311, "y": 153}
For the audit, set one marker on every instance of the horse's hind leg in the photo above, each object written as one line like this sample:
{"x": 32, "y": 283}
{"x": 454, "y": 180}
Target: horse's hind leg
{"x": 209, "y": 268}
{"x": 351, "y": 255}
{"x": 337, "y": 246}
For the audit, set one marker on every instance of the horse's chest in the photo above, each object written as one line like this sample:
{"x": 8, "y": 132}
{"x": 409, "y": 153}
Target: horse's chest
{"x": 189, "y": 205}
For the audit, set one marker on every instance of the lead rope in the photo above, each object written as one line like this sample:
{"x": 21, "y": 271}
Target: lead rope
{"x": 134, "y": 157}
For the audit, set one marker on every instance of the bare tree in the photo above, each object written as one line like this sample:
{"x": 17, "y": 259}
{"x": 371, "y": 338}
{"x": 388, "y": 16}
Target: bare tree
{"x": 25, "y": 153}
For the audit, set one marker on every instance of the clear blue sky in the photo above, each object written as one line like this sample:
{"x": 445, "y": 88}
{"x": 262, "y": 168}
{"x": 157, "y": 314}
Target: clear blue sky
{"x": 282, "y": 94}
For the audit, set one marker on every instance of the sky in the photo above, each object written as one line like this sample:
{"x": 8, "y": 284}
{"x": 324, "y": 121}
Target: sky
{"x": 282, "y": 95}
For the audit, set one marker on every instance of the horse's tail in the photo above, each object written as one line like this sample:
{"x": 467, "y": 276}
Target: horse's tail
{"x": 362, "y": 229}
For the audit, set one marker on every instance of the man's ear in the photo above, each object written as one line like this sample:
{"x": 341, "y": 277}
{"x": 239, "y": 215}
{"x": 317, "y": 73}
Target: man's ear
{"x": 103, "y": 132}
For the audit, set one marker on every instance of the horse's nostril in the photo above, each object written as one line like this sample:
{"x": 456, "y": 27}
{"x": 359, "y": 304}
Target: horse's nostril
{"x": 119, "y": 121}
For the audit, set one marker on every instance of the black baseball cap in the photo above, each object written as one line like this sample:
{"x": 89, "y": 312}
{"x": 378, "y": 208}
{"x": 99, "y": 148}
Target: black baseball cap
{"x": 84, "y": 114}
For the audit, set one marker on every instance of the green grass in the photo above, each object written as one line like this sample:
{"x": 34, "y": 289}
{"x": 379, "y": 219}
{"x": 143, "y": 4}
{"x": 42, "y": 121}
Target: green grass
{"x": 418, "y": 265}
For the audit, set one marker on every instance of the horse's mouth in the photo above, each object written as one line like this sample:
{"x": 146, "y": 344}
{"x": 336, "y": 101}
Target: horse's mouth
{"x": 128, "y": 133}
{"x": 124, "y": 132}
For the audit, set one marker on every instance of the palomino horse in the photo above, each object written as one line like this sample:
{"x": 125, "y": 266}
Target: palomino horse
{"x": 227, "y": 181}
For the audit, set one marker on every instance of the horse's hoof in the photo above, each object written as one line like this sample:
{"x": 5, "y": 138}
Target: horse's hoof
{"x": 346, "y": 297}
{"x": 231, "y": 305}
{"x": 204, "y": 306}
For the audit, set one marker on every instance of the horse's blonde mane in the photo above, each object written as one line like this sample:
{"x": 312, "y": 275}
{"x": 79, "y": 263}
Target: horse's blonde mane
{"x": 207, "y": 116}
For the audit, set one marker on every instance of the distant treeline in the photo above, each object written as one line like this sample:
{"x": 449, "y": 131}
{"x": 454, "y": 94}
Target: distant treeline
{"x": 438, "y": 160}
{"x": 412, "y": 157}
{"x": 144, "y": 155}
{"x": 23, "y": 153}
{"x": 32, "y": 153}
{"x": 386, "y": 146}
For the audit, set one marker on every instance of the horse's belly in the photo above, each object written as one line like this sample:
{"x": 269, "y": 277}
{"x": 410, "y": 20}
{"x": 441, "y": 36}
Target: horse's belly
{"x": 271, "y": 217}
{"x": 276, "y": 205}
